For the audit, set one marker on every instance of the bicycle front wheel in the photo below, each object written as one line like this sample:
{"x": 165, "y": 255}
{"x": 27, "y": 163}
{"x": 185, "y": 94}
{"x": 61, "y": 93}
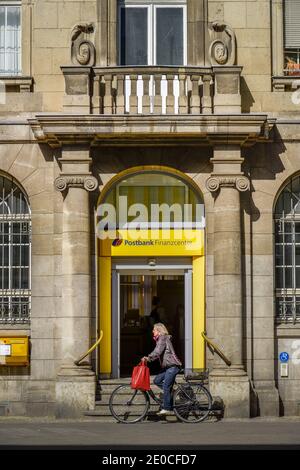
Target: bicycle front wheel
{"x": 128, "y": 405}
{"x": 192, "y": 403}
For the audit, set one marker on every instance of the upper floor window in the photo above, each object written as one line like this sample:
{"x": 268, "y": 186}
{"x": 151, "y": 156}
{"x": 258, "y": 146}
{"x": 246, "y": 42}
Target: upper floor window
{"x": 292, "y": 37}
{"x": 15, "y": 246}
{"x": 152, "y": 32}
{"x": 10, "y": 38}
{"x": 287, "y": 251}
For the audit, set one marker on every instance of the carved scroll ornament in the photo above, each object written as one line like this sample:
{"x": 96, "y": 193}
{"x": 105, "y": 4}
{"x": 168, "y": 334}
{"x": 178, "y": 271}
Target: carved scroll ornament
{"x": 241, "y": 183}
{"x": 222, "y": 50}
{"x": 87, "y": 182}
{"x": 82, "y": 49}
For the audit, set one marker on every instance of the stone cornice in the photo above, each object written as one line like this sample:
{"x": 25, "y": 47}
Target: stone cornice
{"x": 199, "y": 130}
{"x": 240, "y": 182}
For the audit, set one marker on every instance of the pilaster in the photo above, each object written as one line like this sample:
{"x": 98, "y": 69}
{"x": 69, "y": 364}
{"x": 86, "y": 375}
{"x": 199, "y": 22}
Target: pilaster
{"x": 226, "y": 183}
{"x": 75, "y": 386}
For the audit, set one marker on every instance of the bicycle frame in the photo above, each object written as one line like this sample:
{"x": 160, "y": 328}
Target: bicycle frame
{"x": 152, "y": 395}
{"x": 149, "y": 393}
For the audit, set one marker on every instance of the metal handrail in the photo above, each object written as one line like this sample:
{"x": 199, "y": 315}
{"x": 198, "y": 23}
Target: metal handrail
{"x": 216, "y": 349}
{"x": 77, "y": 363}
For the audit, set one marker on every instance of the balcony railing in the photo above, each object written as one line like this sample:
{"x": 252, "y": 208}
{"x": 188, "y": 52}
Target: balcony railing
{"x": 154, "y": 90}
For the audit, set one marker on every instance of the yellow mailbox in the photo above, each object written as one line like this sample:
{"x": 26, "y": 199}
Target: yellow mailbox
{"x": 14, "y": 351}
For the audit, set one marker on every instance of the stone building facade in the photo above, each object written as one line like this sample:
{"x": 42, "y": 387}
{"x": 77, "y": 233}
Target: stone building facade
{"x": 70, "y": 128}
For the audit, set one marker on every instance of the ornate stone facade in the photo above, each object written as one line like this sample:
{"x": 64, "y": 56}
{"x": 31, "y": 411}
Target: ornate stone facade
{"x": 66, "y": 132}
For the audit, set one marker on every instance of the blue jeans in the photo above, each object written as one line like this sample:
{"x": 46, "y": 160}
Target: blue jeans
{"x": 165, "y": 380}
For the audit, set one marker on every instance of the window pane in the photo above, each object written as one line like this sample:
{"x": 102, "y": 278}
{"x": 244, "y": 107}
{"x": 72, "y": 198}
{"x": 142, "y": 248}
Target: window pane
{"x": 152, "y": 189}
{"x": 4, "y": 278}
{"x": 25, "y": 256}
{"x": 25, "y": 279}
{"x": 287, "y": 202}
{"x": 134, "y": 36}
{"x": 288, "y": 249}
{"x": 291, "y": 23}
{"x": 169, "y": 36}
{"x": 4, "y": 255}
{"x": 297, "y": 277}
{"x": 288, "y": 274}
{"x": 278, "y": 237}
{"x": 16, "y": 253}
{"x": 288, "y": 238}
{"x": 279, "y": 278}
{"x": 288, "y": 227}
{"x": 15, "y": 278}
{"x": 10, "y": 40}
{"x": 279, "y": 255}
{"x": 297, "y": 255}
{"x": 13, "y": 18}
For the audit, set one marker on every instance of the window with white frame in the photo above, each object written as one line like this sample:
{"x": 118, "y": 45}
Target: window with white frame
{"x": 10, "y": 38}
{"x": 15, "y": 253}
{"x": 292, "y": 37}
{"x": 152, "y": 32}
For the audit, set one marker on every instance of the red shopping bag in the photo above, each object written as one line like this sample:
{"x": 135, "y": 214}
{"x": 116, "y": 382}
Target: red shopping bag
{"x": 141, "y": 377}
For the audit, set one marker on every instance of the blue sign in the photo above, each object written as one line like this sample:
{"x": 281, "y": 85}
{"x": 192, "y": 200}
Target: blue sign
{"x": 284, "y": 357}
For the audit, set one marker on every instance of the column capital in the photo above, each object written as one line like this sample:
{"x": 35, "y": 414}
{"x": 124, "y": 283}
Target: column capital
{"x": 239, "y": 182}
{"x": 87, "y": 182}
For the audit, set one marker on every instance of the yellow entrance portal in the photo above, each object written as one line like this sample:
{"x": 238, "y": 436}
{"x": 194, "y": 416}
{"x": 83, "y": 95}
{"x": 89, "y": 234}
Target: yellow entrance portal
{"x": 192, "y": 245}
{"x": 182, "y": 239}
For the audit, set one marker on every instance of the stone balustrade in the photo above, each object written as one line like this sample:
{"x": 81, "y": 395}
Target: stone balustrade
{"x": 154, "y": 90}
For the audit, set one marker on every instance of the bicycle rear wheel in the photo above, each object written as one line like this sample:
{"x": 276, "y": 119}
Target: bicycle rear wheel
{"x": 192, "y": 403}
{"x": 128, "y": 405}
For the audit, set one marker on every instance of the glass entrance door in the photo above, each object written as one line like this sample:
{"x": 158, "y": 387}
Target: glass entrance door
{"x": 140, "y": 299}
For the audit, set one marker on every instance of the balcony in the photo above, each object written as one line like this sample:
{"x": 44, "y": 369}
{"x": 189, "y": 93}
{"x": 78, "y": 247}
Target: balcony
{"x": 151, "y": 106}
{"x": 152, "y": 90}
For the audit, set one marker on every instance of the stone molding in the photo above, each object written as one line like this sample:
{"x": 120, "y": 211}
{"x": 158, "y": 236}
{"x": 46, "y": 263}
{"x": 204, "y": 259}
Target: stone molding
{"x": 286, "y": 83}
{"x": 96, "y": 130}
{"x": 214, "y": 183}
{"x": 87, "y": 182}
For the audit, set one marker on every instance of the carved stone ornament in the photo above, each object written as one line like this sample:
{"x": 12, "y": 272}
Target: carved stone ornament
{"x": 82, "y": 49}
{"x": 87, "y": 182}
{"x": 219, "y": 52}
{"x": 222, "y": 50}
{"x": 241, "y": 183}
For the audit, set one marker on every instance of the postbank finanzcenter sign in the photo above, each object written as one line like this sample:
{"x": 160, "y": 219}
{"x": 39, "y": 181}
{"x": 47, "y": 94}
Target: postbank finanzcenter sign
{"x": 154, "y": 243}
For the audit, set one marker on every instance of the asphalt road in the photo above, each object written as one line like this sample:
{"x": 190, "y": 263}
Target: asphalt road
{"x": 87, "y": 433}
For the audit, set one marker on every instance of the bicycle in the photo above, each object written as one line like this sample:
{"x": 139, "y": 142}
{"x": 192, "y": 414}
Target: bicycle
{"x": 192, "y": 402}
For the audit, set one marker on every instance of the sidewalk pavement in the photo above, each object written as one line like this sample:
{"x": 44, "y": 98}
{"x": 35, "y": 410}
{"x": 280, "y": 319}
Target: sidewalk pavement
{"x": 92, "y": 432}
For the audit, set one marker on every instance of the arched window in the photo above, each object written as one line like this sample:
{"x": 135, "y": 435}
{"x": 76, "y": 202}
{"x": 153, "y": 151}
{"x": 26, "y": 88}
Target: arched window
{"x": 166, "y": 201}
{"x": 287, "y": 250}
{"x": 15, "y": 244}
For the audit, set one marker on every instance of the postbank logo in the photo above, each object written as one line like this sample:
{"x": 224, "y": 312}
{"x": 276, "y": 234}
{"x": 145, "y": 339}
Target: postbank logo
{"x": 117, "y": 242}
